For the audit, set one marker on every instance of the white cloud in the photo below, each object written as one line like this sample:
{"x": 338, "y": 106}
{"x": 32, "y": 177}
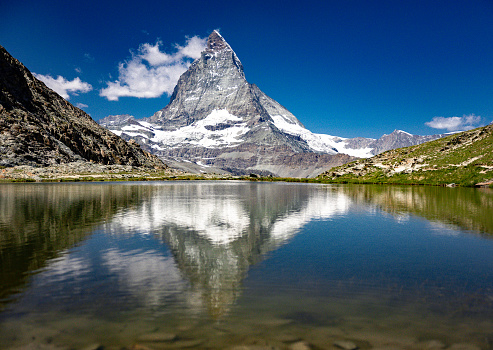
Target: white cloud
{"x": 63, "y": 86}
{"x": 81, "y": 105}
{"x": 154, "y": 56}
{"x": 466, "y": 122}
{"x": 194, "y": 47}
{"x": 151, "y": 72}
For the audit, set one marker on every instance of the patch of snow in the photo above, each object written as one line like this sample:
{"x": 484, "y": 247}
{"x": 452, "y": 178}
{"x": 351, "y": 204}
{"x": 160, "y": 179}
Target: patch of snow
{"x": 137, "y": 130}
{"x": 193, "y": 98}
{"x": 404, "y": 132}
{"x": 354, "y": 152}
{"x": 159, "y": 148}
{"x": 116, "y": 132}
{"x": 198, "y": 134}
{"x": 401, "y": 168}
{"x": 132, "y": 128}
{"x": 134, "y": 134}
{"x": 218, "y": 117}
{"x": 319, "y": 142}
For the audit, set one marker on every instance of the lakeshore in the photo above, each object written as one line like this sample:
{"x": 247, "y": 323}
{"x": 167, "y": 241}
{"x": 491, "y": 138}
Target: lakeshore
{"x": 86, "y": 171}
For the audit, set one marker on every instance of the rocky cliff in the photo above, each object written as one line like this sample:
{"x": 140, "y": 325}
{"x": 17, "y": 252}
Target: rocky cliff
{"x": 38, "y": 127}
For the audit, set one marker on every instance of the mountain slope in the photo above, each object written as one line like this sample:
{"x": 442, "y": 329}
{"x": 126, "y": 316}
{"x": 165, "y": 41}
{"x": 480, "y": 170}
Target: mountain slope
{"x": 217, "y": 121}
{"x": 38, "y": 127}
{"x": 464, "y": 158}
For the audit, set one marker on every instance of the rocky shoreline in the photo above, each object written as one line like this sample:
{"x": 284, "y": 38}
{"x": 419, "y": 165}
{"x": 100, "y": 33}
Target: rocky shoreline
{"x": 273, "y": 334}
{"x": 87, "y": 171}
{"x": 84, "y": 171}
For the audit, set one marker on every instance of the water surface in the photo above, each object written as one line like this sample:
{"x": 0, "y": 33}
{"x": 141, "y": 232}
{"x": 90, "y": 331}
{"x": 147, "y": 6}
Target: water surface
{"x": 227, "y": 264}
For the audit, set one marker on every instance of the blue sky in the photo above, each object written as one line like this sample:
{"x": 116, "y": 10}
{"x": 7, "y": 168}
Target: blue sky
{"x": 347, "y": 68}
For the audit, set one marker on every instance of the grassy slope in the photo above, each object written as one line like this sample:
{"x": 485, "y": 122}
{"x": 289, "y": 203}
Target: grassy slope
{"x": 464, "y": 159}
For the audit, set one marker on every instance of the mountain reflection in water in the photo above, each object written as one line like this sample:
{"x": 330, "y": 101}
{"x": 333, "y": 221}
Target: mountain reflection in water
{"x": 215, "y": 231}
{"x": 182, "y": 250}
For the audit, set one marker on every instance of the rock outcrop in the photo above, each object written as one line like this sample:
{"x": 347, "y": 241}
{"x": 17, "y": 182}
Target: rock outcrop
{"x": 39, "y": 128}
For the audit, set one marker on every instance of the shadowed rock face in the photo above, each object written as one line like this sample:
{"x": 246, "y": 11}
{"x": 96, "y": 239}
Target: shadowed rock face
{"x": 218, "y": 119}
{"x": 39, "y": 127}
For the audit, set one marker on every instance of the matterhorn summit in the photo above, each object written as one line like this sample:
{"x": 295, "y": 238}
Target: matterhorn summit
{"x": 216, "y": 121}
{"x": 214, "y": 96}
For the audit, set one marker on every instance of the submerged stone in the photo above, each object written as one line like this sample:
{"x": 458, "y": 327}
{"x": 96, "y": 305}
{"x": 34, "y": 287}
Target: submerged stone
{"x": 301, "y": 345}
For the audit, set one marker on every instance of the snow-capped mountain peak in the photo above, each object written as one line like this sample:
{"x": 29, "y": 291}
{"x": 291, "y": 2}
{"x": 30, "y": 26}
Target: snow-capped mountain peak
{"x": 216, "y": 118}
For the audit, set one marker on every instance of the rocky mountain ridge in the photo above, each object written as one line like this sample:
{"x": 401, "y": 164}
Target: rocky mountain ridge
{"x": 396, "y": 139}
{"x": 40, "y": 128}
{"x": 217, "y": 121}
{"x": 464, "y": 158}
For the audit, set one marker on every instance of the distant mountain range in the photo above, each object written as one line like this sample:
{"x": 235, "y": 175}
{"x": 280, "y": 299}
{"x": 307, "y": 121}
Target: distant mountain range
{"x": 218, "y": 122}
{"x": 39, "y": 128}
{"x": 464, "y": 159}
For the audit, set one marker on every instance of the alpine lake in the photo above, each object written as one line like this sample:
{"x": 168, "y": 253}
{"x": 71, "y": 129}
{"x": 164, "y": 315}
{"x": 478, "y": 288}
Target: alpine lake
{"x": 245, "y": 265}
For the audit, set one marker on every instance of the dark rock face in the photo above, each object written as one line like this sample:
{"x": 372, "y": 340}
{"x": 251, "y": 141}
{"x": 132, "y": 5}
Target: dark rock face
{"x": 38, "y": 127}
